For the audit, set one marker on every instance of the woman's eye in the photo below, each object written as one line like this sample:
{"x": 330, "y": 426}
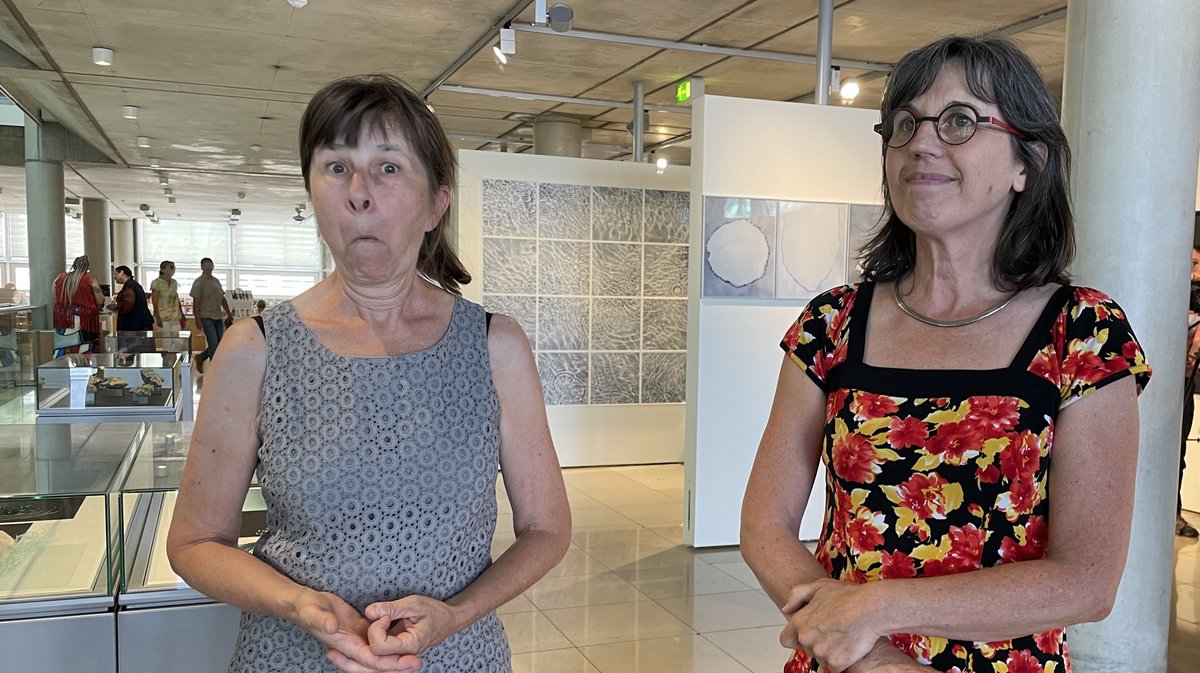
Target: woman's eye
{"x": 337, "y": 168}
{"x": 390, "y": 168}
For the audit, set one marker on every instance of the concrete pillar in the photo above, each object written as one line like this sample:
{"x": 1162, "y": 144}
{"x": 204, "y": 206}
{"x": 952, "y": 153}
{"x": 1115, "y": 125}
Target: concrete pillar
{"x": 1127, "y": 65}
{"x": 47, "y": 228}
{"x": 96, "y": 240}
{"x": 558, "y": 136}
{"x": 122, "y": 244}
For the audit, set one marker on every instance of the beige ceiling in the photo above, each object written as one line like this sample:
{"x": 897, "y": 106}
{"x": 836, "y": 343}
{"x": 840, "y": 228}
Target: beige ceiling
{"x": 213, "y": 78}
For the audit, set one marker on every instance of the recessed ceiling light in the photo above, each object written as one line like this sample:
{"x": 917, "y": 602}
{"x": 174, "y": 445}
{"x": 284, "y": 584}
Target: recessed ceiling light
{"x": 256, "y": 147}
{"x": 143, "y": 141}
{"x": 129, "y": 111}
{"x": 153, "y": 162}
{"x": 102, "y": 56}
{"x": 168, "y": 191}
{"x": 171, "y": 199}
{"x": 163, "y": 179}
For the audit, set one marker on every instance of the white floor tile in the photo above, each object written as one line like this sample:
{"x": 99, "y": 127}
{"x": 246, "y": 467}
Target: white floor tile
{"x": 680, "y": 654}
{"x": 756, "y": 649}
{"x": 725, "y": 612}
{"x": 620, "y": 622}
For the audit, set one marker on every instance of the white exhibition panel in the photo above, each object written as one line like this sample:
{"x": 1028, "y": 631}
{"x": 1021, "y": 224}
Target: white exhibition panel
{"x": 758, "y": 150}
{"x": 591, "y": 434}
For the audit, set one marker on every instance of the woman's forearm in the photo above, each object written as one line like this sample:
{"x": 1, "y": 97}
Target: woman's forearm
{"x": 779, "y": 559}
{"x": 992, "y": 604}
{"x": 230, "y": 575}
{"x": 529, "y": 558}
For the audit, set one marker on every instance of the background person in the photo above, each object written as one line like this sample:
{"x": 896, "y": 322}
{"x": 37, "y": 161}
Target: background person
{"x": 1182, "y": 527}
{"x": 375, "y": 409}
{"x": 209, "y": 309}
{"x": 169, "y": 319}
{"x": 77, "y": 295}
{"x": 936, "y": 391}
{"x": 133, "y": 312}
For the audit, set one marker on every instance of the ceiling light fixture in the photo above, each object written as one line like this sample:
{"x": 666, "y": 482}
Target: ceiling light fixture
{"x": 561, "y": 17}
{"x": 102, "y": 56}
{"x": 662, "y": 163}
{"x": 163, "y": 180}
{"x": 170, "y": 199}
{"x": 256, "y": 147}
{"x": 499, "y": 54}
{"x": 849, "y": 90}
{"x": 129, "y": 111}
{"x": 143, "y": 141}
{"x": 297, "y": 3}
{"x": 508, "y": 41}
{"x": 154, "y": 162}
{"x": 167, "y": 191}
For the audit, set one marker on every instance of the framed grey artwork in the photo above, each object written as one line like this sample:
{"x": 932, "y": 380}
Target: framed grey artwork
{"x": 864, "y": 222}
{"x": 739, "y": 247}
{"x": 811, "y": 250}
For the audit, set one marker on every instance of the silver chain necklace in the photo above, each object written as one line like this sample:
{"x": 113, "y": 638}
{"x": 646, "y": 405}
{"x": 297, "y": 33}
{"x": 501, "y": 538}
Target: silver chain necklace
{"x": 947, "y": 323}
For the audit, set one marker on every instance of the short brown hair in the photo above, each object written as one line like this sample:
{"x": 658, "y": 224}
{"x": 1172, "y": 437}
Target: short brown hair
{"x": 338, "y": 113}
{"x": 1037, "y": 242}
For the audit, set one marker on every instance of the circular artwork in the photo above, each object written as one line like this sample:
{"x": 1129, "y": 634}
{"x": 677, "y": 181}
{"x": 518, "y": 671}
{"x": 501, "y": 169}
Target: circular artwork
{"x": 737, "y": 253}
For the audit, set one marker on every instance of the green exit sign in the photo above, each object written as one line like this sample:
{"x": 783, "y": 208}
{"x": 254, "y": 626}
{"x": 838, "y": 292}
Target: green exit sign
{"x": 683, "y": 91}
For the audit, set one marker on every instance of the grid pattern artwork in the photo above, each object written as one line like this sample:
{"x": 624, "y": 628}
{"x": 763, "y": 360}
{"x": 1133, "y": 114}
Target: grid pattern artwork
{"x": 597, "y": 277}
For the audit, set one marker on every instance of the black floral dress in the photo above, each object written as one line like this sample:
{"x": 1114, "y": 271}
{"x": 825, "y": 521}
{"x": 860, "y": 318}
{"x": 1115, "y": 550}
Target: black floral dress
{"x": 933, "y": 472}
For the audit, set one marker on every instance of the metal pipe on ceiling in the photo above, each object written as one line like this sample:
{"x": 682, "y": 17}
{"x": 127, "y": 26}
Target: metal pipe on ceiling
{"x": 703, "y": 48}
{"x": 523, "y": 95}
{"x": 824, "y": 50}
{"x": 638, "y": 125}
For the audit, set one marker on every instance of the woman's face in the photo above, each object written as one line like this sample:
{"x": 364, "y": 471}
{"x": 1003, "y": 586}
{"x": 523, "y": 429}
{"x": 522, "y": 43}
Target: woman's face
{"x": 373, "y": 205}
{"x": 939, "y": 189}
{"x": 168, "y": 271}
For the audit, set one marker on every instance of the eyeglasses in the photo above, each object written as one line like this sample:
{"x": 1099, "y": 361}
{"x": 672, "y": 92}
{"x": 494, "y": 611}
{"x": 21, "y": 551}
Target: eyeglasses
{"x": 955, "y": 125}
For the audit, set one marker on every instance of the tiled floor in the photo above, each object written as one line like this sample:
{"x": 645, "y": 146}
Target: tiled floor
{"x": 630, "y": 596}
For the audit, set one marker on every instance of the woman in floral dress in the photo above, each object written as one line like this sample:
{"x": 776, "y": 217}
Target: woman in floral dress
{"x": 936, "y": 393}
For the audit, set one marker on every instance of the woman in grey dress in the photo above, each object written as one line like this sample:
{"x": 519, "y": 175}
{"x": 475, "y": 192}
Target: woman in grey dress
{"x": 375, "y": 409}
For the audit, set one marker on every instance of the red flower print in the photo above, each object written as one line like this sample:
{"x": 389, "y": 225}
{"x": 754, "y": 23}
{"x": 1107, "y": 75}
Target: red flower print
{"x": 1089, "y": 297}
{"x": 966, "y": 545}
{"x": 906, "y": 432}
{"x": 1021, "y": 661}
{"x": 1024, "y": 496}
{"x": 1045, "y": 365}
{"x": 823, "y": 362}
{"x": 1048, "y": 641}
{"x": 1035, "y": 542}
{"x": 795, "y": 332}
{"x": 869, "y": 405}
{"x": 955, "y": 442}
{"x": 865, "y": 532}
{"x": 1130, "y": 351}
{"x": 835, "y": 402}
{"x": 915, "y": 647}
{"x": 1081, "y": 364}
{"x": 1058, "y": 333}
{"x": 897, "y": 565}
{"x": 988, "y": 475}
{"x": 922, "y": 494}
{"x": 854, "y": 459}
{"x": 1021, "y": 458}
{"x": 994, "y": 412}
{"x": 799, "y": 663}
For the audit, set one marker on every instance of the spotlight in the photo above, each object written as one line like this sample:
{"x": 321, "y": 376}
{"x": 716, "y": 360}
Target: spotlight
{"x": 662, "y": 163}
{"x": 297, "y": 3}
{"x": 241, "y": 195}
{"x": 163, "y": 180}
{"x": 167, "y": 191}
{"x": 170, "y": 199}
{"x": 499, "y": 54}
{"x": 143, "y": 141}
{"x": 145, "y": 207}
{"x": 102, "y": 56}
{"x": 129, "y": 111}
{"x": 153, "y": 162}
{"x": 508, "y": 41}
{"x": 256, "y": 148}
{"x": 560, "y": 17}
{"x": 849, "y": 90}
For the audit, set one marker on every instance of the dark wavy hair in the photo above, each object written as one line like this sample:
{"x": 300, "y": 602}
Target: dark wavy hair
{"x": 1037, "y": 242}
{"x": 338, "y": 113}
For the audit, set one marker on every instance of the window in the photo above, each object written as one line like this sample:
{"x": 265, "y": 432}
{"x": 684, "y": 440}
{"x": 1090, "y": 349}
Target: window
{"x": 184, "y": 241}
{"x": 275, "y": 285}
{"x": 291, "y": 245}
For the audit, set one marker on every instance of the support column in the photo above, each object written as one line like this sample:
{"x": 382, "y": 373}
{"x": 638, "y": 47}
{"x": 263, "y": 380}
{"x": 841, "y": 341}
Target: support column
{"x": 638, "y": 126}
{"x": 47, "y": 229}
{"x": 824, "y": 51}
{"x": 122, "y": 242}
{"x": 96, "y": 240}
{"x": 1134, "y": 191}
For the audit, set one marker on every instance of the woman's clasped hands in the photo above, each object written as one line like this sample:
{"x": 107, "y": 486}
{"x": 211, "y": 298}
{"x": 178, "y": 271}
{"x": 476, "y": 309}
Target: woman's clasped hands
{"x": 389, "y": 637}
{"x": 835, "y": 623}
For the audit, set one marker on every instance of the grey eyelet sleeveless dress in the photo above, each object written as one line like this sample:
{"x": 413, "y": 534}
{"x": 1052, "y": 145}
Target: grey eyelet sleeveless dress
{"x": 379, "y": 475}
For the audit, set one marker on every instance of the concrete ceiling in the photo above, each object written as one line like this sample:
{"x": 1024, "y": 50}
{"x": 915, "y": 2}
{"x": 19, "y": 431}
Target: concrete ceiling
{"x": 214, "y": 78}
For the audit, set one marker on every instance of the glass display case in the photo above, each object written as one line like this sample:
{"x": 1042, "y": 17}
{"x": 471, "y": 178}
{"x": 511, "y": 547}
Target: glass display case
{"x": 155, "y": 604}
{"x": 113, "y": 387}
{"x": 148, "y": 342}
{"x": 59, "y": 543}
